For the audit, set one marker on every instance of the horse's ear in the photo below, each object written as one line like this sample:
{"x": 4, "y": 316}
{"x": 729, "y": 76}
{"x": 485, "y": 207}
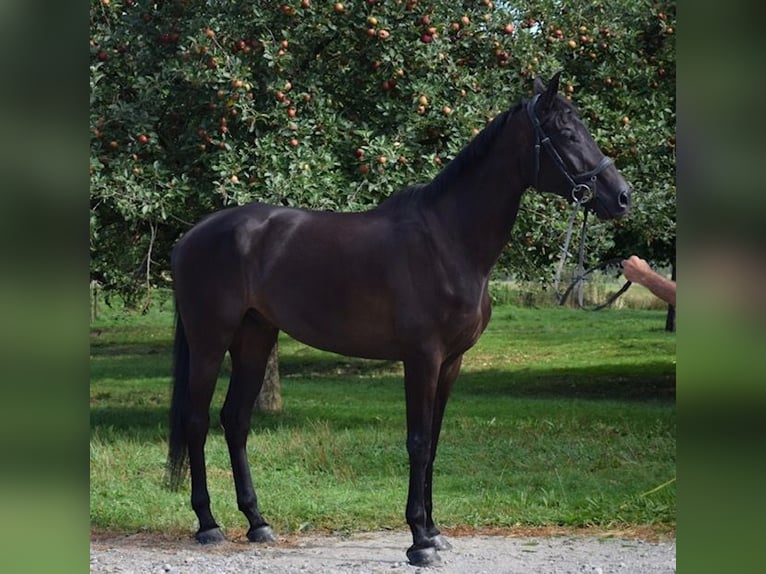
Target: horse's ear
{"x": 547, "y": 94}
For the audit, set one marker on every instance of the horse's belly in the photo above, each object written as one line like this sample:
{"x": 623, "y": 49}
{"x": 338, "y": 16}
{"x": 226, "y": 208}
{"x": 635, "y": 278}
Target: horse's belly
{"x": 352, "y": 344}
{"x": 361, "y": 330}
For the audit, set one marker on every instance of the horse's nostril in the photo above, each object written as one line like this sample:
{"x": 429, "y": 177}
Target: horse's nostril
{"x": 624, "y": 198}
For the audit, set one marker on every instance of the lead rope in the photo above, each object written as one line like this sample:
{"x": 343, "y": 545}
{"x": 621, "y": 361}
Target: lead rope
{"x": 582, "y": 273}
{"x": 565, "y": 251}
{"x": 580, "y": 276}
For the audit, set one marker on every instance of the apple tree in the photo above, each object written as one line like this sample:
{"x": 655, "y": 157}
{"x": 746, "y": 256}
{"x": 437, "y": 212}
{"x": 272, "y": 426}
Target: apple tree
{"x": 201, "y": 104}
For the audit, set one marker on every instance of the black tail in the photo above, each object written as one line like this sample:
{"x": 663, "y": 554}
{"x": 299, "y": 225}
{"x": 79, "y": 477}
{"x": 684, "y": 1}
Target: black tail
{"x": 178, "y": 447}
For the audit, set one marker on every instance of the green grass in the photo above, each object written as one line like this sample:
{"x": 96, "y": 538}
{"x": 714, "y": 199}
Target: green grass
{"x": 560, "y": 418}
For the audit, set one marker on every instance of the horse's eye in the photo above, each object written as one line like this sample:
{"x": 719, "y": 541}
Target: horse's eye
{"x": 570, "y": 135}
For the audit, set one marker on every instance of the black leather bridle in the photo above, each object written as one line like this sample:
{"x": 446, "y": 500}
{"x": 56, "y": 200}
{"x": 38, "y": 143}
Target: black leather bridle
{"x": 583, "y": 184}
{"x": 583, "y": 190}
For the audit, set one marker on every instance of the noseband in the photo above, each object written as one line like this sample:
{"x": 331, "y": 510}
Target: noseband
{"x": 583, "y": 184}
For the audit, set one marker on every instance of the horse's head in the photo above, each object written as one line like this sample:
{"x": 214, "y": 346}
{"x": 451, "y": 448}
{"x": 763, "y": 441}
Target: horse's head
{"x": 566, "y": 159}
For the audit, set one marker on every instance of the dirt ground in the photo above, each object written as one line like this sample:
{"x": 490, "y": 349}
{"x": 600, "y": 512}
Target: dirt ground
{"x": 544, "y": 552}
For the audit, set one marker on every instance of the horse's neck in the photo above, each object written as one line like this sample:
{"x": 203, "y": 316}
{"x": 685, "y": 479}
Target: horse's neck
{"x": 479, "y": 207}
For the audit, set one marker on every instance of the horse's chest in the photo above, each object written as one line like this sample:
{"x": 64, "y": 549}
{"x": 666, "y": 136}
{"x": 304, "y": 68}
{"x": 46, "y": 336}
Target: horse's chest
{"x": 465, "y": 318}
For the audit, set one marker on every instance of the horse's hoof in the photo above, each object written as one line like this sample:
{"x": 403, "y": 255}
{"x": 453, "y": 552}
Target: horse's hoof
{"x": 441, "y": 543}
{"x": 261, "y": 534}
{"x": 424, "y": 556}
{"x": 212, "y": 536}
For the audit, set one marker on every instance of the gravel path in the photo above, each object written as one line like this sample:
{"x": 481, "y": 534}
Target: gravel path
{"x": 384, "y": 552}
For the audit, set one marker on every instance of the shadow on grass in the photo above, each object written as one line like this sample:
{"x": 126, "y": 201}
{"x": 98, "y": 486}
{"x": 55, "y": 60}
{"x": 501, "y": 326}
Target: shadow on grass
{"x": 151, "y": 423}
{"x": 646, "y": 382}
{"x": 119, "y": 361}
{"x": 350, "y": 400}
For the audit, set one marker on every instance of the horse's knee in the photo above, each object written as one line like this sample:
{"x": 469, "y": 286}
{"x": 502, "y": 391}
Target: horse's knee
{"x": 419, "y": 448}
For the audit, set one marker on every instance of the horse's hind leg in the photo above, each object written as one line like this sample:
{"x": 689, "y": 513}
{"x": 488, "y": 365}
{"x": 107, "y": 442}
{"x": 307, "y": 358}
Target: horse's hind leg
{"x": 249, "y": 351}
{"x": 203, "y": 372}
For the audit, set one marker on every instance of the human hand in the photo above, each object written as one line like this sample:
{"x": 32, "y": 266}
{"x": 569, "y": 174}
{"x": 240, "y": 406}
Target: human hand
{"x": 636, "y": 269}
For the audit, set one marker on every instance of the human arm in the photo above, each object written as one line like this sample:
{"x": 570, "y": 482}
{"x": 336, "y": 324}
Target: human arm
{"x": 638, "y": 271}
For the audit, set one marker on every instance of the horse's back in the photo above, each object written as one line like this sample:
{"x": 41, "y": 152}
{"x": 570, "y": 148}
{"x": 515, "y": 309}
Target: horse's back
{"x": 304, "y": 271}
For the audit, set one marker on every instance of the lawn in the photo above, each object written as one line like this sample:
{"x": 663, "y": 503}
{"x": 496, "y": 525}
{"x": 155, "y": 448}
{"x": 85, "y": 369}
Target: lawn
{"x": 560, "y": 417}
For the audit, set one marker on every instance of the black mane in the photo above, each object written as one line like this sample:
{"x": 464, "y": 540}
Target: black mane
{"x": 476, "y": 149}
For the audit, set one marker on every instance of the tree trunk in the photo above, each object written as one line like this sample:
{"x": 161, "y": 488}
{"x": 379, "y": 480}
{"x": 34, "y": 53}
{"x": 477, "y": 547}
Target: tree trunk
{"x": 94, "y": 300}
{"x": 670, "y": 319}
{"x": 270, "y": 398}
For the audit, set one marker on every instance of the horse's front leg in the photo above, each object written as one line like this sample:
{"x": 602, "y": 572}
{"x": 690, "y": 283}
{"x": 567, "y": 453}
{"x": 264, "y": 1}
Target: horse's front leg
{"x": 447, "y": 375}
{"x": 420, "y": 382}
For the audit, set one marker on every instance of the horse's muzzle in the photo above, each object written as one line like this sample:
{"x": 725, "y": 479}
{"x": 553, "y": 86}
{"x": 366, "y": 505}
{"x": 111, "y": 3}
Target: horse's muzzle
{"x": 623, "y": 199}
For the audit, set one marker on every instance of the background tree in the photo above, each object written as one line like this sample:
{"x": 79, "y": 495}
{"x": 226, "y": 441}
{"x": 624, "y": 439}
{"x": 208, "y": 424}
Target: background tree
{"x": 201, "y": 104}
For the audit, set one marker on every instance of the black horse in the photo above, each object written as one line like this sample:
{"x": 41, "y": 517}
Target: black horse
{"x": 404, "y": 281}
